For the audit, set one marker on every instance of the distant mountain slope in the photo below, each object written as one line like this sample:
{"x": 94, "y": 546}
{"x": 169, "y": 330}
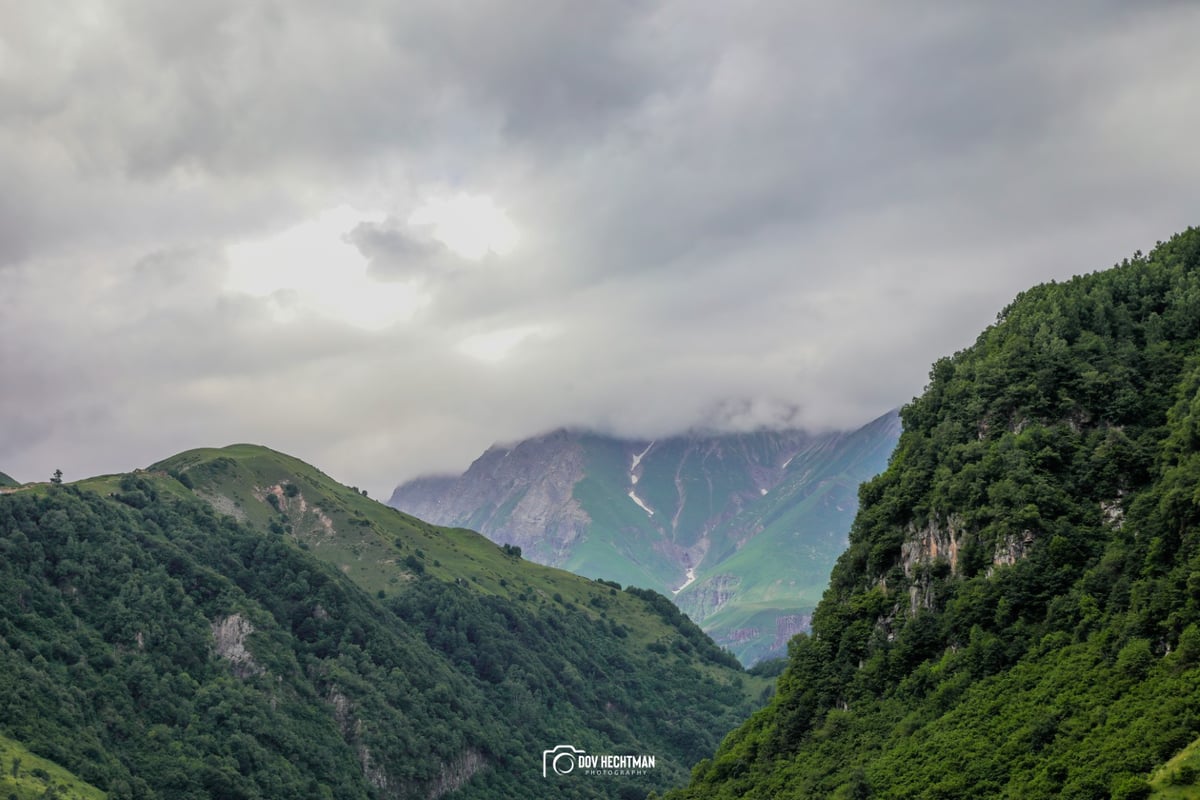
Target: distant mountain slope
{"x": 234, "y": 623}
{"x": 7, "y": 481}
{"x": 769, "y": 564}
{"x": 1018, "y": 612}
{"x": 742, "y": 529}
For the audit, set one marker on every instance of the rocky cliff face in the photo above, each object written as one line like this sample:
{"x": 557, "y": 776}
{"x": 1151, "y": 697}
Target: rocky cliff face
{"x": 229, "y": 642}
{"x": 677, "y": 490}
{"x": 710, "y": 596}
{"x": 519, "y": 494}
{"x": 710, "y": 520}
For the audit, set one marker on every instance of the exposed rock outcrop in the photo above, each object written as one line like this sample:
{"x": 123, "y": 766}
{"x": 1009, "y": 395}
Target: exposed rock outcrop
{"x": 306, "y": 521}
{"x": 927, "y": 551}
{"x": 788, "y": 625}
{"x": 1114, "y": 512}
{"x": 739, "y": 635}
{"x": 229, "y": 641}
{"x": 451, "y": 777}
{"x": 939, "y": 540}
{"x": 521, "y": 494}
{"x": 1011, "y": 549}
{"x": 454, "y": 776}
{"x": 709, "y": 596}
{"x": 933, "y": 551}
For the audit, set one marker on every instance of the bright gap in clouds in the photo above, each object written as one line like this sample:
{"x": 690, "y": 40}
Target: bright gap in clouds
{"x": 470, "y": 225}
{"x": 495, "y": 346}
{"x": 311, "y": 266}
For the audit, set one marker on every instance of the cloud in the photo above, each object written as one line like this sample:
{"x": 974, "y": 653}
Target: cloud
{"x": 394, "y": 250}
{"x": 639, "y": 218}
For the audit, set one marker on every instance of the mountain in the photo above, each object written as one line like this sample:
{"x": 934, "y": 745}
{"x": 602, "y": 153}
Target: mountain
{"x": 741, "y": 529}
{"x": 6, "y": 481}
{"x": 1018, "y": 611}
{"x": 234, "y": 623}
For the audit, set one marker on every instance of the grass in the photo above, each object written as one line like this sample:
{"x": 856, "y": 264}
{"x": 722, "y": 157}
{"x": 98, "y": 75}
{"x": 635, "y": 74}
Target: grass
{"x": 783, "y": 570}
{"x": 801, "y": 529}
{"x": 26, "y": 776}
{"x": 1166, "y": 782}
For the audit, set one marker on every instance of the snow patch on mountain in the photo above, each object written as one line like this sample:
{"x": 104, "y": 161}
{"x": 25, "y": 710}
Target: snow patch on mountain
{"x": 633, "y": 496}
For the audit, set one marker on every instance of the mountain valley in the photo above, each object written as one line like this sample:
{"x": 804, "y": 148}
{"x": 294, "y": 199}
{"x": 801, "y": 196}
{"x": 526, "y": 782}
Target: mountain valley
{"x": 1016, "y": 614}
{"x": 740, "y": 530}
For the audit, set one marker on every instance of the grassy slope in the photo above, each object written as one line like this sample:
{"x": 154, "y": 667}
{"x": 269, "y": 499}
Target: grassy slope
{"x": 619, "y": 544}
{"x": 18, "y": 779}
{"x": 371, "y": 543}
{"x": 785, "y": 567}
{"x": 5, "y": 480}
{"x": 1172, "y": 781}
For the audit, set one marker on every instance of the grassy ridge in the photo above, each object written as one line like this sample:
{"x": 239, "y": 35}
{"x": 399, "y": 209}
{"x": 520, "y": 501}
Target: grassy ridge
{"x": 26, "y": 776}
{"x": 379, "y": 547}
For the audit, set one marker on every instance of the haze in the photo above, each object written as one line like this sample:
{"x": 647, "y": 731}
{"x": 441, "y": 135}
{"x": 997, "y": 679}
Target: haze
{"x": 382, "y": 236}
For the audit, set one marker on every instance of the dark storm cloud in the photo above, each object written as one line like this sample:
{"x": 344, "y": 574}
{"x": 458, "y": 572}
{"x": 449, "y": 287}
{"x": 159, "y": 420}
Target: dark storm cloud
{"x": 742, "y": 214}
{"x": 551, "y": 72}
{"x": 805, "y": 124}
{"x": 394, "y": 250}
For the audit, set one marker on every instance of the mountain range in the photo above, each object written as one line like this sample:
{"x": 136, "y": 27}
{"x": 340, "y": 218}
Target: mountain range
{"x": 234, "y": 623}
{"x": 741, "y": 530}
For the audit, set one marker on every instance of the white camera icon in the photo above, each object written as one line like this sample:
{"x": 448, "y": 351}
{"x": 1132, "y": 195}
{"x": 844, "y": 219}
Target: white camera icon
{"x": 560, "y": 760}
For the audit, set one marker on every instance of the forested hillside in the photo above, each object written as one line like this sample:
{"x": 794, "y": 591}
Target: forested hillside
{"x": 157, "y": 647}
{"x": 1018, "y": 613}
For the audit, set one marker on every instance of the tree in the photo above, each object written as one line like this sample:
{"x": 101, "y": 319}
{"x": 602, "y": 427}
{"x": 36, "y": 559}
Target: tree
{"x": 57, "y": 479}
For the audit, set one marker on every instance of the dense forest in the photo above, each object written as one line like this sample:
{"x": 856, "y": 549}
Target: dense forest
{"x": 1018, "y": 612}
{"x": 157, "y": 648}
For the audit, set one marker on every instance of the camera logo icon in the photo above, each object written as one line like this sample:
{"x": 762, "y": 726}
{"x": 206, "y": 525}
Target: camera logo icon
{"x": 560, "y": 760}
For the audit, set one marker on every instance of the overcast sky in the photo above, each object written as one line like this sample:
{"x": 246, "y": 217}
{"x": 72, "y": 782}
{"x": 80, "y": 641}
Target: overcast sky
{"x": 383, "y": 235}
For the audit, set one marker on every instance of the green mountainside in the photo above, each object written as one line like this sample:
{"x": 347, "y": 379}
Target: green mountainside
{"x": 1018, "y": 612}
{"x": 235, "y": 624}
{"x": 740, "y": 529}
{"x": 7, "y": 481}
{"x": 769, "y": 564}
